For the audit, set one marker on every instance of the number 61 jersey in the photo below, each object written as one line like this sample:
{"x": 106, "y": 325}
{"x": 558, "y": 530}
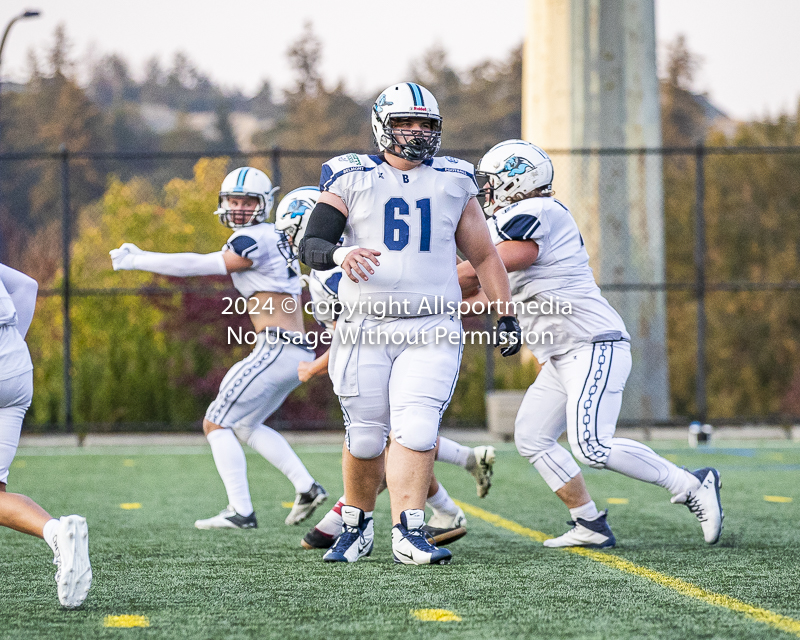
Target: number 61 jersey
{"x": 411, "y": 218}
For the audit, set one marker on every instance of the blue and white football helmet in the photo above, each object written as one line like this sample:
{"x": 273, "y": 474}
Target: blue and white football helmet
{"x": 245, "y": 181}
{"x": 291, "y": 219}
{"x": 513, "y": 170}
{"x": 407, "y": 100}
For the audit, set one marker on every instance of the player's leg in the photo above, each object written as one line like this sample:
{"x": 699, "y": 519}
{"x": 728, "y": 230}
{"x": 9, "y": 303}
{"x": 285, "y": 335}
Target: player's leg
{"x": 251, "y": 391}
{"x": 366, "y": 417}
{"x": 68, "y": 537}
{"x": 479, "y": 461}
{"x": 421, "y": 385}
{"x": 257, "y": 402}
{"x": 448, "y": 522}
{"x": 541, "y": 419}
{"x": 595, "y": 377}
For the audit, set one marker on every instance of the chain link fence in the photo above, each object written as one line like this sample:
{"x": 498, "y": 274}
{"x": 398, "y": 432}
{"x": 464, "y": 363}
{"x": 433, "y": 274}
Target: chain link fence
{"x": 730, "y": 284}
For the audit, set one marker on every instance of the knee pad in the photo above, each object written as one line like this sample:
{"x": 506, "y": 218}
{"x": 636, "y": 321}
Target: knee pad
{"x": 416, "y": 429}
{"x": 365, "y": 443}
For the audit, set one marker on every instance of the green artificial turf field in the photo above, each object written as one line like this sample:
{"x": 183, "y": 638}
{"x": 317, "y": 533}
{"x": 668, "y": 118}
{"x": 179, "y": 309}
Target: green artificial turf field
{"x": 661, "y": 581}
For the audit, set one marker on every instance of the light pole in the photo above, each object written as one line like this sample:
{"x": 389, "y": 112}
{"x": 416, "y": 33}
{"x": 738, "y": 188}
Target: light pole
{"x": 27, "y": 14}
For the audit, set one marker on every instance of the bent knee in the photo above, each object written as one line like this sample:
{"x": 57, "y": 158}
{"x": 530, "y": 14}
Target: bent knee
{"x": 365, "y": 443}
{"x": 593, "y": 457}
{"x": 208, "y": 427}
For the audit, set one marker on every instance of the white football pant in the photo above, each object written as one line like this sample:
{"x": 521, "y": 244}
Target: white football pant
{"x": 15, "y": 398}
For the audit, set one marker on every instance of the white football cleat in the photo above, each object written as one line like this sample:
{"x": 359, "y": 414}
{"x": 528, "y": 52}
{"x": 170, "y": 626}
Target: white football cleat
{"x": 595, "y": 534}
{"x": 305, "y": 503}
{"x": 410, "y": 543}
{"x": 228, "y": 519}
{"x": 356, "y": 539}
{"x": 703, "y": 501}
{"x": 74, "y": 575}
{"x": 480, "y": 464}
{"x": 444, "y": 521}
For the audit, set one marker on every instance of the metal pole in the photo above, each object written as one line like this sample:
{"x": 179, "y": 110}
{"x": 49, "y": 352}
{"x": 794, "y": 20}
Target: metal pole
{"x": 276, "y": 166}
{"x": 700, "y": 280}
{"x": 488, "y": 382}
{"x": 66, "y": 240}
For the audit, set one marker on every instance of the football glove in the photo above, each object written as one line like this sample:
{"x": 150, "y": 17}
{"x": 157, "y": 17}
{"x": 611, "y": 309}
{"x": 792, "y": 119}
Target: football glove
{"x": 122, "y": 258}
{"x": 509, "y": 336}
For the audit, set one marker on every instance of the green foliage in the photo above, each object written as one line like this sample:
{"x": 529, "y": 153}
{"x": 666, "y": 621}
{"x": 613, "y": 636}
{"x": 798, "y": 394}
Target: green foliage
{"x": 126, "y": 365}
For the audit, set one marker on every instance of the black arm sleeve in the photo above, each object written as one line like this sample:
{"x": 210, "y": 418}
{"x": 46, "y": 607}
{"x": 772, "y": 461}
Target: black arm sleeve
{"x": 325, "y": 227}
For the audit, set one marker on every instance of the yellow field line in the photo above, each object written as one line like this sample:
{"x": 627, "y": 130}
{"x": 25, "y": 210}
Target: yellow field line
{"x": 776, "y": 620}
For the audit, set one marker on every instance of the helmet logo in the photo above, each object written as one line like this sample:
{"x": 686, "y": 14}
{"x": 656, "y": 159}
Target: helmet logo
{"x": 381, "y": 103}
{"x": 297, "y": 209}
{"x": 516, "y": 166}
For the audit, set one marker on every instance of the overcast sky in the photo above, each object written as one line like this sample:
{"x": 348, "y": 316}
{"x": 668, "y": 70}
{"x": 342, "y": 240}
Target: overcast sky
{"x": 750, "y": 51}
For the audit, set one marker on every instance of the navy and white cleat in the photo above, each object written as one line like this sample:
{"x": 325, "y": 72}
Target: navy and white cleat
{"x": 356, "y": 539}
{"x": 410, "y": 543}
{"x": 703, "y": 501}
{"x": 305, "y": 503}
{"x": 228, "y": 519}
{"x": 595, "y": 534}
{"x": 74, "y": 575}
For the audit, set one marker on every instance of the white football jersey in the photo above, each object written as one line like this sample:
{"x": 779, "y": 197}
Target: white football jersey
{"x": 561, "y": 274}
{"x": 269, "y": 272}
{"x": 411, "y": 218}
{"x": 324, "y": 289}
{"x": 15, "y": 359}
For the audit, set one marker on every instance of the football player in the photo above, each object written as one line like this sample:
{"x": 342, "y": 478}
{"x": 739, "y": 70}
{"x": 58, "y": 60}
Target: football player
{"x": 254, "y": 388}
{"x": 584, "y": 370}
{"x": 418, "y": 209}
{"x": 448, "y": 521}
{"x": 67, "y": 536}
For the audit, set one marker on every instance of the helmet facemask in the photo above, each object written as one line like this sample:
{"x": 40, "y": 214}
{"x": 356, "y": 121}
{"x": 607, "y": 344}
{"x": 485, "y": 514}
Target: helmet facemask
{"x": 237, "y": 218}
{"x": 418, "y": 145}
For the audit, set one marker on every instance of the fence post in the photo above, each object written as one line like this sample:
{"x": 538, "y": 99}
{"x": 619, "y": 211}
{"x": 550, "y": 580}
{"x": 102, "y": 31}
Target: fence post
{"x": 700, "y": 280}
{"x": 276, "y": 166}
{"x": 66, "y": 240}
{"x": 488, "y": 382}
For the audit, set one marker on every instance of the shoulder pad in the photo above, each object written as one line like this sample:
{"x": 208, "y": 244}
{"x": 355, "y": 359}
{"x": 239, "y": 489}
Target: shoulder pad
{"x": 335, "y": 168}
{"x": 453, "y": 166}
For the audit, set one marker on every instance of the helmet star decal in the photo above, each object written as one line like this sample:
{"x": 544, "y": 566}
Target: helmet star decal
{"x": 298, "y": 208}
{"x": 381, "y": 103}
{"x": 516, "y": 166}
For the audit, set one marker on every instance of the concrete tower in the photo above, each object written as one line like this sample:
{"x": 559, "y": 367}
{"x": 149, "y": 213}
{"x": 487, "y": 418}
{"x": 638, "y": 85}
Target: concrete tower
{"x": 589, "y": 82}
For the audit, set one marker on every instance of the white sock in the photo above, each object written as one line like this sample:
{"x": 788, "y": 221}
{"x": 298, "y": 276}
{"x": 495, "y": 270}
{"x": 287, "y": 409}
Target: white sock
{"x": 331, "y": 522}
{"x": 232, "y": 467}
{"x": 452, "y": 452}
{"x": 639, "y": 461}
{"x": 587, "y": 511}
{"x": 49, "y": 533}
{"x": 273, "y": 446}
{"x": 442, "y": 503}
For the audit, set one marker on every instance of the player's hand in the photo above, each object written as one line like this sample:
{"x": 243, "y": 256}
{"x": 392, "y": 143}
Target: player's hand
{"x": 358, "y": 261}
{"x": 305, "y": 371}
{"x": 122, "y": 258}
{"x": 509, "y": 336}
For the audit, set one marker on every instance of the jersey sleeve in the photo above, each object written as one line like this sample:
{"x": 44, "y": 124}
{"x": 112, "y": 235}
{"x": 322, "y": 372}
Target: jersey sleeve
{"x": 340, "y": 175}
{"x": 518, "y": 222}
{"x": 324, "y": 289}
{"x": 461, "y": 172}
{"x": 251, "y": 243}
